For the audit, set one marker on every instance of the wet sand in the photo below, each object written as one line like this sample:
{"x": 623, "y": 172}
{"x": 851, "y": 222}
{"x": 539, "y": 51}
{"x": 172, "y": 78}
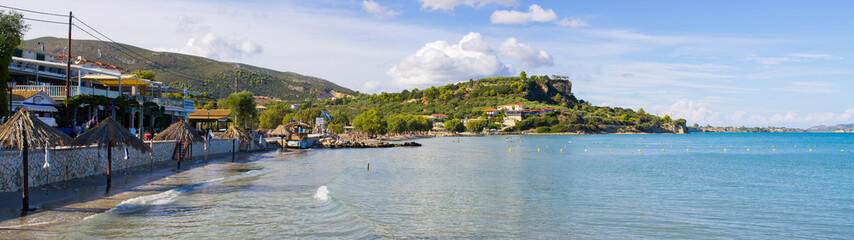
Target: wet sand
{"x": 66, "y": 203}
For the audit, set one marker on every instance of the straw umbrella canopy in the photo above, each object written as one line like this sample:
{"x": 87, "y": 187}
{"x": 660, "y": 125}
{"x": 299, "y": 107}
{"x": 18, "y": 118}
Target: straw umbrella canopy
{"x": 235, "y": 133}
{"x": 23, "y": 131}
{"x": 108, "y": 133}
{"x": 280, "y": 131}
{"x": 181, "y": 132}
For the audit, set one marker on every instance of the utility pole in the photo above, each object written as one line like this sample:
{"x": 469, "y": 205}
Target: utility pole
{"x": 68, "y": 71}
{"x": 235, "y": 82}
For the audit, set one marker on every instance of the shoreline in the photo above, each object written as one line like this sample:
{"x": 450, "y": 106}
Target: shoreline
{"x": 81, "y": 198}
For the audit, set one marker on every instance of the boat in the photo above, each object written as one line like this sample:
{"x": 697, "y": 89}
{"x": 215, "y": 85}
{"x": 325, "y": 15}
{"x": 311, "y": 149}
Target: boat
{"x": 299, "y": 136}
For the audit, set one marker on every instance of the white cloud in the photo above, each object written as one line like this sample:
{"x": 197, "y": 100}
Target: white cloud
{"x": 369, "y": 86}
{"x": 378, "y": 10}
{"x": 795, "y": 57}
{"x": 439, "y": 62}
{"x": 693, "y": 112}
{"x": 814, "y": 56}
{"x": 809, "y": 87}
{"x": 221, "y": 48}
{"x": 574, "y": 23}
{"x": 535, "y": 13}
{"x": 525, "y": 54}
{"x": 447, "y": 5}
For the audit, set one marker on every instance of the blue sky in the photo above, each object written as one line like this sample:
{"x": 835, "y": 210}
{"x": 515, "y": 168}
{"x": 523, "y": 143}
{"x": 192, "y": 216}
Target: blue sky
{"x": 725, "y": 63}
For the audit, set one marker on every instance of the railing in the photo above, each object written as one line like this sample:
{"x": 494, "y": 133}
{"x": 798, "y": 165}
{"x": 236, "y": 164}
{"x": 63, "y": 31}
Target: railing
{"x": 170, "y": 104}
{"x": 29, "y": 67}
{"x": 58, "y": 92}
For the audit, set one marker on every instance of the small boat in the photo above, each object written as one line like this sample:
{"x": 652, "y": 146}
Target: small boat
{"x": 299, "y": 136}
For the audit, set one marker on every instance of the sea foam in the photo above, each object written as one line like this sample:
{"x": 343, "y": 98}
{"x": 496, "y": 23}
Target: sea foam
{"x": 322, "y": 193}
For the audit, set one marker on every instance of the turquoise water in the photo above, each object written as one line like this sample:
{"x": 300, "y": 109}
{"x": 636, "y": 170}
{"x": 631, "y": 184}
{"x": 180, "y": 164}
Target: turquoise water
{"x": 676, "y": 186}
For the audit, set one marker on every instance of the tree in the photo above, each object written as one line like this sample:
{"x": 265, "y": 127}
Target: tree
{"x": 242, "y": 107}
{"x": 666, "y": 119}
{"x": 398, "y": 124}
{"x": 558, "y": 98}
{"x": 271, "y": 118}
{"x": 523, "y": 75}
{"x": 454, "y": 125}
{"x": 12, "y": 30}
{"x": 372, "y": 122}
{"x": 476, "y": 126}
{"x": 148, "y": 74}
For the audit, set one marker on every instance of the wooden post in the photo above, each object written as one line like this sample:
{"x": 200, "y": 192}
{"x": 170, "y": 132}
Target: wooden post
{"x": 109, "y": 164}
{"x": 232, "y": 149}
{"x": 26, "y": 175}
{"x": 180, "y": 155}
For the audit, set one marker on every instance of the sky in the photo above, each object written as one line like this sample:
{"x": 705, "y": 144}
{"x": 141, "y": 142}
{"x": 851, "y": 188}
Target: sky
{"x": 722, "y": 63}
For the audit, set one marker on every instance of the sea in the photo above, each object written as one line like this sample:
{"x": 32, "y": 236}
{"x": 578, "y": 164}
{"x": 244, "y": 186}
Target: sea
{"x": 646, "y": 186}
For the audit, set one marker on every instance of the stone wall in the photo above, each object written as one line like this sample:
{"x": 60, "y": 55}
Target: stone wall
{"x": 79, "y": 162}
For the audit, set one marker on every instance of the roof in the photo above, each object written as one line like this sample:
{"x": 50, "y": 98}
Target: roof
{"x": 202, "y": 114}
{"x": 259, "y": 107}
{"x": 518, "y": 104}
{"x": 490, "y": 110}
{"x": 21, "y": 95}
{"x": 127, "y": 80}
{"x": 81, "y": 60}
{"x": 439, "y": 115}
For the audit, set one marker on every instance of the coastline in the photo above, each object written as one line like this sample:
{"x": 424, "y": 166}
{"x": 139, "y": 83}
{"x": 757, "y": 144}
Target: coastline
{"x": 81, "y": 198}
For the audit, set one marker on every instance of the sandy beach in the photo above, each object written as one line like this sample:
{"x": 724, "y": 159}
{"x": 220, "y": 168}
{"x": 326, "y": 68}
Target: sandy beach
{"x": 68, "y": 202}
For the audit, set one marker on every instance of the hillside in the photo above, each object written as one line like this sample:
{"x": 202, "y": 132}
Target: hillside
{"x": 469, "y": 99}
{"x": 838, "y": 127}
{"x": 200, "y": 74}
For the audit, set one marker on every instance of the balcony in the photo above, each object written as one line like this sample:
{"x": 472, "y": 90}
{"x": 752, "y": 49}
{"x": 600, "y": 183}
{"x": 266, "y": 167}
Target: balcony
{"x": 58, "y": 92}
{"x": 57, "y": 73}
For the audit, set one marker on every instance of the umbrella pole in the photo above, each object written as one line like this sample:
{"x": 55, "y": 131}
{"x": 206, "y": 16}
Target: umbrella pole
{"x": 180, "y": 154}
{"x": 109, "y": 164}
{"x": 26, "y": 175}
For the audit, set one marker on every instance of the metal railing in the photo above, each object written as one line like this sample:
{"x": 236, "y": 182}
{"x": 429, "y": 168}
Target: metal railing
{"x": 58, "y": 92}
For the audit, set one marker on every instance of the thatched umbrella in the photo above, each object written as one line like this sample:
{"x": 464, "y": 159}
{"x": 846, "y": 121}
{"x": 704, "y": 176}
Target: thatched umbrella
{"x": 22, "y": 131}
{"x": 235, "y": 133}
{"x": 181, "y": 132}
{"x": 108, "y": 133}
{"x": 280, "y": 131}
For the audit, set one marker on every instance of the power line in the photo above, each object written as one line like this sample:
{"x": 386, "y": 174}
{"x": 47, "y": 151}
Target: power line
{"x": 129, "y": 54}
{"x": 134, "y": 53}
{"x": 33, "y": 11}
{"x": 112, "y": 43}
{"x": 45, "y": 21}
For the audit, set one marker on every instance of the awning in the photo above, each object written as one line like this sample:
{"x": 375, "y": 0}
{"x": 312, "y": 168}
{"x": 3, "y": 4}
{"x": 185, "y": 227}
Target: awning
{"x": 215, "y": 115}
{"x": 128, "y": 80}
{"x": 36, "y": 108}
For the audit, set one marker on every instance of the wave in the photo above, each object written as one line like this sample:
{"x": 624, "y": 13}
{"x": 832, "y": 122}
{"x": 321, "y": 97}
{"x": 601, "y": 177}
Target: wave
{"x": 322, "y": 193}
{"x": 143, "y": 203}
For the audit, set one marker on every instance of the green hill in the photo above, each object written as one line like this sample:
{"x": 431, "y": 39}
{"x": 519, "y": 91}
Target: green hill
{"x": 198, "y": 73}
{"x": 468, "y": 99}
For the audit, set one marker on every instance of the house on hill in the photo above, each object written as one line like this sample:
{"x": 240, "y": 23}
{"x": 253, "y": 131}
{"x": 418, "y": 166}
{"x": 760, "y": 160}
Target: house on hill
{"x": 512, "y": 107}
{"x": 491, "y": 112}
{"x": 439, "y": 117}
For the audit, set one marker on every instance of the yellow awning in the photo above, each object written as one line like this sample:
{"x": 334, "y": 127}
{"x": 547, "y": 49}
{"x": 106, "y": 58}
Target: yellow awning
{"x": 128, "y": 80}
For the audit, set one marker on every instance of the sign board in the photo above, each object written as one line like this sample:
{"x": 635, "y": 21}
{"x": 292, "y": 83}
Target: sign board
{"x": 319, "y": 121}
